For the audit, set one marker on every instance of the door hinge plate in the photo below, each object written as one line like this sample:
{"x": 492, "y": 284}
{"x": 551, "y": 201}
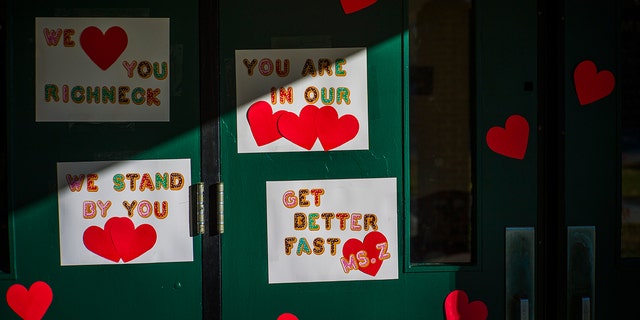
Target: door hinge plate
{"x": 220, "y": 203}
{"x": 196, "y": 209}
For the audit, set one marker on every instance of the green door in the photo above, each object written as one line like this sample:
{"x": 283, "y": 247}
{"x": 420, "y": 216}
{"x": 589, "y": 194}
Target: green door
{"x": 507, "y": 188}
{"x": 124, "y": 274}
{"x": 432, "y": 94}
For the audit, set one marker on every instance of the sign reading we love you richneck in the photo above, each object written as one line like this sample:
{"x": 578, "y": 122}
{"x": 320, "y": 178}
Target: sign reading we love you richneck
{"x": 102, "y": 69}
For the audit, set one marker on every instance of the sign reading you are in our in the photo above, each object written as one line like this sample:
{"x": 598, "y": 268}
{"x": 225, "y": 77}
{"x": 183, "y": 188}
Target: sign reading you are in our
{"x": 302, "y": 99}
{"x": 102, "y": 69}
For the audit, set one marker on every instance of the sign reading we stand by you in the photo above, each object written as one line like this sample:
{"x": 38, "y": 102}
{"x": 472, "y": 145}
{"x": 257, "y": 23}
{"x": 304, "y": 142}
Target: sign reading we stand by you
{"x": 332, "y": 230}
{"x": 102, "y": 69}
{"x": 133, "y": 211}
{"x": 301, "y": 100}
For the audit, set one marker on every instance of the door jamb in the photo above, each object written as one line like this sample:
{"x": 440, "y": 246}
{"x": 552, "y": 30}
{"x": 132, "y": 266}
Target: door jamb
{"x": 210, "y": 155}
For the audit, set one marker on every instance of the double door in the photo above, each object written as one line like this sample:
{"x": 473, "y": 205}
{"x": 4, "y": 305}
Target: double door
{"x": 497, "y": 162}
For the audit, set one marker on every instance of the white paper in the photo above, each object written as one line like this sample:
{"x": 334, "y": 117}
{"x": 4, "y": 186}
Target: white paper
{"x": 340, "y": 72}
{"x": 371, "y": 206}
{"x": 101, "y": 182}
{"x": 134, "y": 86}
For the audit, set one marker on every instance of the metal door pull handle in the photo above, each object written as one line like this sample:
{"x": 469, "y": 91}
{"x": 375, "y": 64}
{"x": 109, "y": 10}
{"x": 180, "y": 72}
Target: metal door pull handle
{"x": 524, "y": 309}
{"x": 586, "y": 308}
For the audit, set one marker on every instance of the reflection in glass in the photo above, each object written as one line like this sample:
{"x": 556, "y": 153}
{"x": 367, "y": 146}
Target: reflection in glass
{"x": 630, "y": 101}
{"x": 440, "y": 134}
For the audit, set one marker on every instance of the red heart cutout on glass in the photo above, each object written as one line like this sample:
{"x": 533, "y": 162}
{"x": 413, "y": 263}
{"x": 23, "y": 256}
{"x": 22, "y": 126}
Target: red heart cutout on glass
{"x": 351, "y": 6}
{"x": 287, "y": 316}
{"x": 590, "y": 84}
{"x": 457, "y": 307}
{"x": 131, "y": 242}
{"x": 30, "y": 304}
{"x": 333, "y": 131}
{"x": 103, "y": 49}
{"x": 264, "y": 123}
{"x": 367, "y": 253}
{"x": 510, "y": 141}
{"x": 300, "y": 130}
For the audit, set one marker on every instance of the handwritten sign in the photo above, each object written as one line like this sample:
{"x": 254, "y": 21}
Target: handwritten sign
{"x": 302, "y": 100}
{"x": 124, "y": 212}
{"x": 332, "y": 230}
{"x": 102, "y": 69}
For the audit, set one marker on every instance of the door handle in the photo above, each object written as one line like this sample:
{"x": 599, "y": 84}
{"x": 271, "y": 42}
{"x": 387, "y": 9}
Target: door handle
{"x": 581, "y": 272}
{"x": 586, "y": 308}
{"x": 524, "y": 309}
{"x": 520, "y": 264}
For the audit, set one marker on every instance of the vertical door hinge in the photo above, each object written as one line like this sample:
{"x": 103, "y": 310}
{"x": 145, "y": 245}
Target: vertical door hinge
{"x": 196, "y": 208}
{"x": 220, "y": 202}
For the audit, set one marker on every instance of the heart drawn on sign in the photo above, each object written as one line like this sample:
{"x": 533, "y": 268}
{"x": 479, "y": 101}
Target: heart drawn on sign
{"x": 264, "y": 123}
{"x": 351, "y": 6}
{"x": 457, "y": 307}
{"x": 369, "y": 253}
{"x": 510, "y": 141}
{"x": 300, "y": 130}
{"x": 334, "y": 131}
{"x": 120, "y": 239}
{"x": 590, "y": 84}
{"x": 30, "y": 304}
{"x": 103, "y": 49}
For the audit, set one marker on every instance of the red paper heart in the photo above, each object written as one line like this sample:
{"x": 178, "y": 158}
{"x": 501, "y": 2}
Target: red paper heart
{"x": 333, "y": 131}
{"x": 119, "y": 239}
{"x": 99, "y": 242}
{"x": 131, "y": 242}
{"x": 300, "y": 130}
{"x": 370, "y": 247}
{"x": 264, "y": 123}
{"x": 590, "y": 84}
{"x": 510, "y": 141}
{"x": 30, "y": 304}
{"x": 457, "y": 307}
{"x": 103, "y": 49}
{"x": 350, "y": 6}
{"x": 287, "y": 316}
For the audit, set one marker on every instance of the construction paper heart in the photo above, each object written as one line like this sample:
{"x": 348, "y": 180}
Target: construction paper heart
{"x": 351, "y": 6}
{"x": 300, "y": 130}
{"x": 590, "y": 84}
{"x": 120, "y": 239}
{"x": 263, "y": 122}
{"x": 30, "y": 304}
{"x": 457, "y": 307}
{"x": 370, "y": 247}
{"x": 333, "y": 131}
{"x": 99, "y": 242}
{"x": 510, "y": 141}
{"x": 103, "y": 49}
{"x": 131, "y": 242}
{"x": 287, "y": 316}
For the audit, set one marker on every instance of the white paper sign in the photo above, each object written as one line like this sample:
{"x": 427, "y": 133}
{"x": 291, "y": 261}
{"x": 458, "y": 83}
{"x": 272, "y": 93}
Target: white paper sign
{"x": 302, "y": 100}
{"x": 332, "y": 230}
{"x": 102, "y": 69}
{"x": 124, "y": 212}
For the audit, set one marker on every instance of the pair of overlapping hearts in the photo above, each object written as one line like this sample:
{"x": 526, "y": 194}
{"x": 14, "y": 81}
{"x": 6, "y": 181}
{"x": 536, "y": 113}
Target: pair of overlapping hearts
{"x": 312, "y": 124}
